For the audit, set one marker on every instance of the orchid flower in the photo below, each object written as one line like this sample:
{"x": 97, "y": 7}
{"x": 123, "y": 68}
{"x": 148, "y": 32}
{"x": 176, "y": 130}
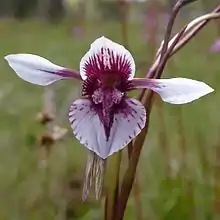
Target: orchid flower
{"x": 105, "y": 119}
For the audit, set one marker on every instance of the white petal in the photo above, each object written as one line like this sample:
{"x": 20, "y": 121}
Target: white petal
{"x": 89, "y": 130}
{"x": 175, "y": 90}
{"x": 107, "y": 45}
{"x": 38, "y": 70}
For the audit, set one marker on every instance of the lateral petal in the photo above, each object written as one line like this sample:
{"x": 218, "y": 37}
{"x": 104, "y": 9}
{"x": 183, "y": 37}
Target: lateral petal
{"x": 38, "y": 70}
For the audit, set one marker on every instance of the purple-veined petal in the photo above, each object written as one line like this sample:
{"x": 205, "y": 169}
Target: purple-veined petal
{"x": 38, "y": 70}
{"x": 175, "y": 90}
{"x": 106, "y": 55}
{"x": 89, "y": 130}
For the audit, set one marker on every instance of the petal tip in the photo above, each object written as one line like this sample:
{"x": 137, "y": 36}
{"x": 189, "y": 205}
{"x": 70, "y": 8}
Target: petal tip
{"x": 100, "y": 40}
{"x": 10, "y": 57}
{"x": 103, "y": 37}
{"x": 7, "y": 57}
{"x": 207, "y": 89}
{"x": 210, "y": 89}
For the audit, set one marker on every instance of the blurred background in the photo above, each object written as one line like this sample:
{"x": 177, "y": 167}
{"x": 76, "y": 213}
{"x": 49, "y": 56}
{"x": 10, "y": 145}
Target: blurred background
{"x": 179, "y": 170}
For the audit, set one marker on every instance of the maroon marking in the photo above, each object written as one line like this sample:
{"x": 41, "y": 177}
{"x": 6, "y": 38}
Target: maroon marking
{"x": 65, "y": 72}
{"x": 139, "y": 126}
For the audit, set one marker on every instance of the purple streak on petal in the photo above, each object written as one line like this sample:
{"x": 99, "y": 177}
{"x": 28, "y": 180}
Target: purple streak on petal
{"x": 66, "y": 73}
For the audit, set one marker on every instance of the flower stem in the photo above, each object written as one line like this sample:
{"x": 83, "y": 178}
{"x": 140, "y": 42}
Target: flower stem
{"x": 175, "y": 11}
{"x": 136, "y": 188}
{"x": 129, "y": 176}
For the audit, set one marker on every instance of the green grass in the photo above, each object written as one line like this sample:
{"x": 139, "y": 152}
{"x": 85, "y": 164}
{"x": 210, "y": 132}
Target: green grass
{"x": 166, "y": 193}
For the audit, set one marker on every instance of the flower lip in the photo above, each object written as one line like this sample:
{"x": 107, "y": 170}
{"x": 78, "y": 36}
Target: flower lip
{"x": 90, "y": 131}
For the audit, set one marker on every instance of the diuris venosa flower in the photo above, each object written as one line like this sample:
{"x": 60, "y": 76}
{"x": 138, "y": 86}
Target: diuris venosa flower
{"x": 105, "y": 120}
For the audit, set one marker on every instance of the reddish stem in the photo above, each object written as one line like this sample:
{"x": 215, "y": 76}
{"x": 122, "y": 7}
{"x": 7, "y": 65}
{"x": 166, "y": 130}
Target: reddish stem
{"x": 129, "y": 176}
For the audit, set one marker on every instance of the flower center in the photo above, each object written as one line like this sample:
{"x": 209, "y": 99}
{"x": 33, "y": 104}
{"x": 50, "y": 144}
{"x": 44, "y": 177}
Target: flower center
{"x": 107, "y": 96}
{"x": 106, "y": 102}
{"x": 106, "y": 91}
{"x": 108, "y": 82}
